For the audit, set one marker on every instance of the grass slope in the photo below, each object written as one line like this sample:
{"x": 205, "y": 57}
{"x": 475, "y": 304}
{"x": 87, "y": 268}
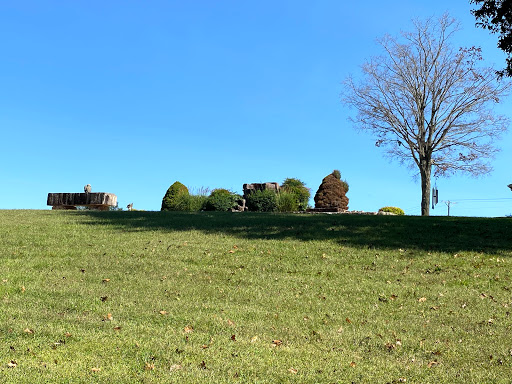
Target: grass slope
{"x": 153, "y": 297}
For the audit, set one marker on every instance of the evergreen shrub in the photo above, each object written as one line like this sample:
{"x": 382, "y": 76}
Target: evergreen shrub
{"x": 287, "y": 202}
{"x": 262, "y": 201}
{"x": 299, "y": 190}
{"x": 331, "y": 193}
{"x": 221, "y": 200}
{"x": 176, "y": 198}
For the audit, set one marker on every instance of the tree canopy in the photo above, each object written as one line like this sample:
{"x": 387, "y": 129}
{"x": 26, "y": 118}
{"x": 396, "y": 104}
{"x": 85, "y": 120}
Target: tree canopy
{"x": 496, "y": 16}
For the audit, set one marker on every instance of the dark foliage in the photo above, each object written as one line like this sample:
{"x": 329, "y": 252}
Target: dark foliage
{"x": 331, "y": 193}
{"x": 496, "y": 16}
{"x": 173, "y": 199}
{"x": 262, "y": 201}
{"x": 221, "y": 200}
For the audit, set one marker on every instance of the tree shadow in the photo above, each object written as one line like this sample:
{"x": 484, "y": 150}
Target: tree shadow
{"x": 442, "y": 234}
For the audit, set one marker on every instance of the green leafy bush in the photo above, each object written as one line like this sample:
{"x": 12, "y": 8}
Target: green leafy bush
{"x": 299, "y": 190}
{"x": 395, "y": 210}
{"x": 262, "y": 201}
{"x": 287, "y": 202}
{"x": 221, "y": 200}
{"x": 175, "y": 198}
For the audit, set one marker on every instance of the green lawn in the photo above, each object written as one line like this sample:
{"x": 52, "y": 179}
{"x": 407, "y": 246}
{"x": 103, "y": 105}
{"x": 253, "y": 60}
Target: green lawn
{"x": 162, "y": 297}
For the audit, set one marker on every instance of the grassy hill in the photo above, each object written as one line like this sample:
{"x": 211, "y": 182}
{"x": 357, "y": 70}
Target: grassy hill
{"x": 162, "y": 297}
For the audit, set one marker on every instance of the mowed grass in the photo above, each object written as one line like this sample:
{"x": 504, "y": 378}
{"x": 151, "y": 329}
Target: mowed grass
{"x": 161, "y": 297}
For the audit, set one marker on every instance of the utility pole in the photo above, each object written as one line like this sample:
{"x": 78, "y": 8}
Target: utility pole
{"x": 448, "y": 203}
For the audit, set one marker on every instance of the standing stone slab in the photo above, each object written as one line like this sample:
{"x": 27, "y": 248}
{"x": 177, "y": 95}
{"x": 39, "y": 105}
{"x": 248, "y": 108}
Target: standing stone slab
{"x": 98, "y": 200}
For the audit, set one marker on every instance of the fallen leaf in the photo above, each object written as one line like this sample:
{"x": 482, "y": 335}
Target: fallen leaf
{"x": 348, "y": 320}
{"x": 340, "y": 329}
{"x": 67, "y": 334}
{"x": 118, "y": 328}
{"x": 149, "y": 366}
{"x": 231, "y": 323}
{"x": 105, "y": 280}
{"x": 393, "y": 297}
{"x": 293, "y": 370}
{"x": 390, "y": 346}
{"x": 254, "y": 339}
{"x": 12, "y": 364}
{"x": 353, "y": 364}
{"x": 188, "y": 329}
{"x": 277, "y": 342}
{"x": 175, "y": 367}
{"x": 23, "y": 289}
{"x": 432, "y": 364}
{"x": 164, "y": 312}
{"x": 204, "y": 346}
{"x": 231, "y": 251}
{"x": 29, "y": 331}
{"x": 233, "y": 337}
{"x": 422, "y": 299}
{"x": 108, "y": 317}
{"x": 95, "y": 369}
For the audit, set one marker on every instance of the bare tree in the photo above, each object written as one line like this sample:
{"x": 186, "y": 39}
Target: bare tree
{"x": 429, "y": 104}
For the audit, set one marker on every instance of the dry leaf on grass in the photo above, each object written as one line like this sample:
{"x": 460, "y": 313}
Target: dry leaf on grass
{"x": 108, "y": 317}
{"x": 175, "y": 367}
{"x": 29, "y": 331}
{"x": 432, "y": 364}
{"x": 422, "y": 299}
{"x": 353, "y": 364}
{"x": 254, "y": 339}
{"x": 163, "y": 312}
{"x": 277, "y": 342}
{"x": 105, "y": 280}
{"x": 95, "y": 369}
{"x": 12, "y": 364}
{"x": 293, "y": 370}
{"x": 149, "y": 366}
{"x": 188, "y": 329}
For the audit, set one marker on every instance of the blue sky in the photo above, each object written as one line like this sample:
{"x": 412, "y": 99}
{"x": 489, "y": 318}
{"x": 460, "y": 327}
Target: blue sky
{"x": 130, "y": 96}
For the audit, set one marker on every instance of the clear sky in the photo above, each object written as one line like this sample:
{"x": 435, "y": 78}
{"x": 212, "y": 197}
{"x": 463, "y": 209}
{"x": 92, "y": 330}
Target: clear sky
{"x": 130, "y": 96}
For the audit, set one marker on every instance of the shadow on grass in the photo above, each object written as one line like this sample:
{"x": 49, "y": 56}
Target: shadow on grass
{"x": 444, "y": 234}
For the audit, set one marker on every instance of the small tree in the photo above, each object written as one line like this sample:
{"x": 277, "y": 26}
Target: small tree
{"x": 175, "y": 198}
{"x": 428, "y": 103}
{"x": 331, "y": 193}
{"x": 299, "y": 190}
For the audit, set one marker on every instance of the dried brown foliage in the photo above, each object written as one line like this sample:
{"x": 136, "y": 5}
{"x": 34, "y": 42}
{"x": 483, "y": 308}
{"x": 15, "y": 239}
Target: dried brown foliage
{"x": 331, "y": 193}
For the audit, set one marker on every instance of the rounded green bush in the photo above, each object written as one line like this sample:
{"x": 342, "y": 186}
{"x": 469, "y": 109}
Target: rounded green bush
{"x": 221, "y": 200}
{"x": 262, "y": 201}
{"x": 395, "y": 210}
{"x": 175, "y": 199}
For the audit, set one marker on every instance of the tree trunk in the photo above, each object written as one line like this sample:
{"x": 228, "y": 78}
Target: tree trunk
{"x": 425, "y": 170}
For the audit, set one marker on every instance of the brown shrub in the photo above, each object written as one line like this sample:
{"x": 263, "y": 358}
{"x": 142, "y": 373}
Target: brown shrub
{"x": 331, "y": 193}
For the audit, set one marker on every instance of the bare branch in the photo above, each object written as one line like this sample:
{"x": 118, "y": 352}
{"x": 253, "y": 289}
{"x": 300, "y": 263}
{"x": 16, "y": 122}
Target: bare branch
{"x": 429, "y": 104}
